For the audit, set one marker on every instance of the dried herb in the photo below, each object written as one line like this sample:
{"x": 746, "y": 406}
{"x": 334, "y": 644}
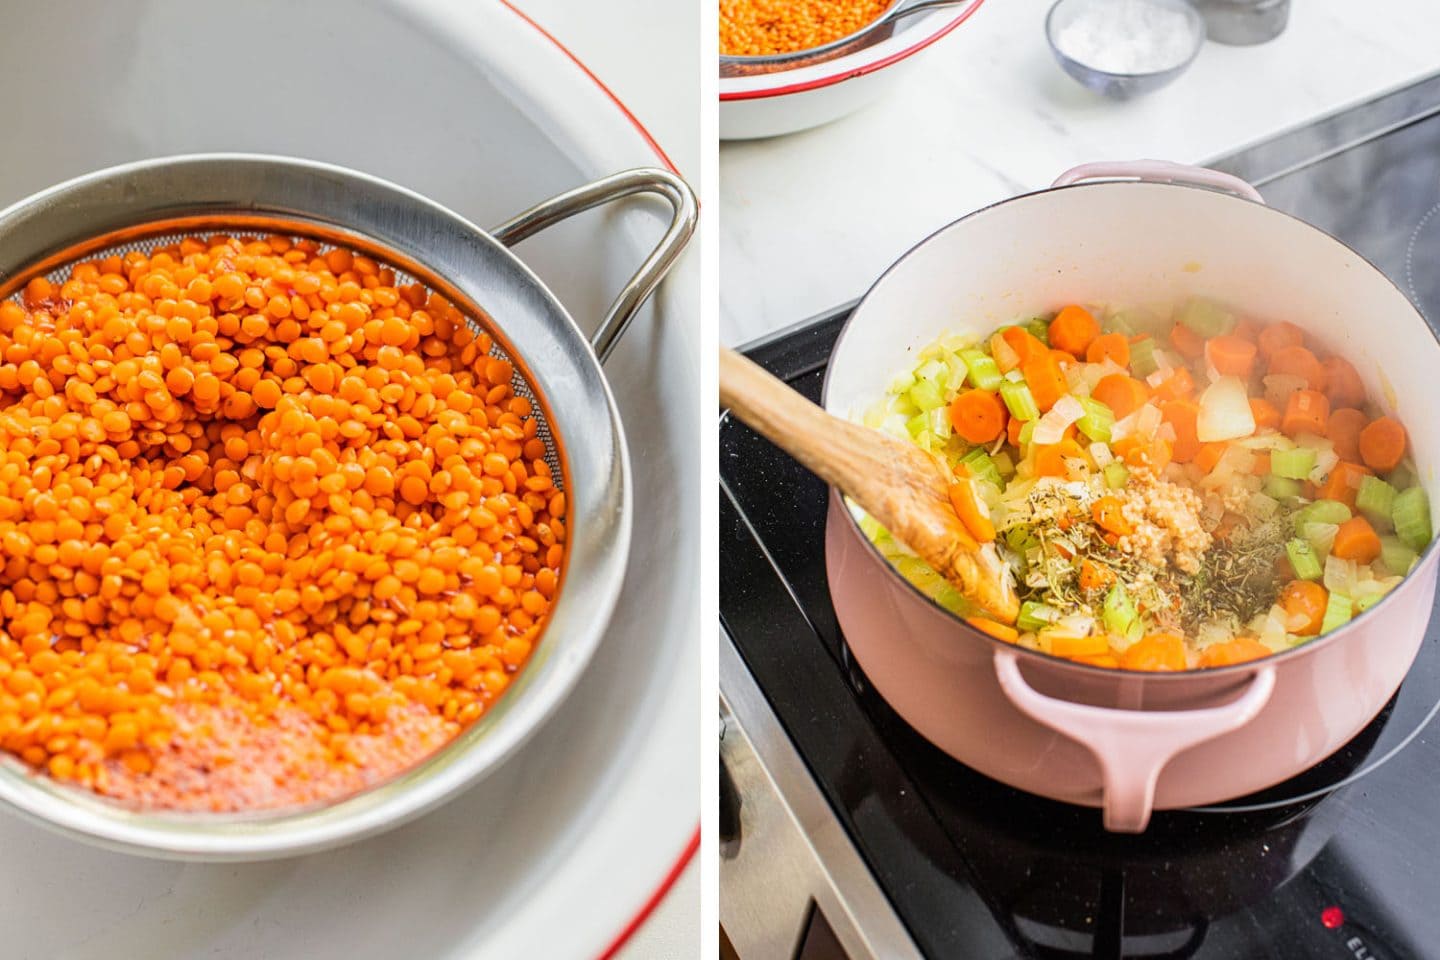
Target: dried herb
{"x": 1236, "y": 578}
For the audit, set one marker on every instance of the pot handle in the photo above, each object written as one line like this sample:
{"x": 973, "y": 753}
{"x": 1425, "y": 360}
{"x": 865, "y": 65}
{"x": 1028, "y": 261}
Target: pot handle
{"x": 1132, "y": 746}
{"x": 1160, "y": 171}
{"x": 627, "y": 183}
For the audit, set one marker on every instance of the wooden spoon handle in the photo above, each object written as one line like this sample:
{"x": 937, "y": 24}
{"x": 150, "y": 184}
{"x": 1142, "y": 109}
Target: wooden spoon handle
{"x": 841, "y": 453}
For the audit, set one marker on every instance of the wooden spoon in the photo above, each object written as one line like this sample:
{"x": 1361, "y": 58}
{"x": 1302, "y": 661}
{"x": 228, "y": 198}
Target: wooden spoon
{"x": 904, "y": 488}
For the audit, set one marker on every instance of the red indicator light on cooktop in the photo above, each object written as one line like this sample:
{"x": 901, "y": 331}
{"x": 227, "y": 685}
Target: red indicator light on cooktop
{"x": 1332, "y": 917}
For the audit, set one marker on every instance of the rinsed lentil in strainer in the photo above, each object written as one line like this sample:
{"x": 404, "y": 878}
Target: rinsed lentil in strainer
{"x": 276, "y": 525}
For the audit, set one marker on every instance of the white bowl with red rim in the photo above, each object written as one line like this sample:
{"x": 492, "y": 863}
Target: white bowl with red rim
{"x": 809, "y": 94}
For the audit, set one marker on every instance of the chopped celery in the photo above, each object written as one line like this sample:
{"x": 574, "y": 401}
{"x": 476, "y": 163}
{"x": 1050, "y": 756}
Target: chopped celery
{"x": 1097, "y": 421}
{"x": 1118, "y": 612}
{"x": 984, "y": 373}
{"x": 926, "y": 395}
{"x": 1321, "y": 511}
{"x": 1396, "y": 555}
{"x": 1021, "y": 538}
{"x": 1374, "y": 499}
{"x": 1019, "y": 401}
{"x": 1040, "y": 327}
{"x": 1120, "y": 321}
{"x": 1116, "y": 475}
{"x": 1338, "y": 612}
{"x": 1142, "y": 358}
{"x": 1366, "y": 602}
{"x": 1205, "y": 317}
{"x": 1293, "y": 464}
{"x": 1026, "y": 432}
{"x": 902, "y": 383}
{"x": 982, "y": 467}
{"x": 939, "y": 422}
{"x": 931, "y": 370}
{"x": 1411, "y": 515}
{"x": 918, "y": 425}
{"x": 1282, "y": 488}
{"x": 1034, "y": 615}
{"x": 1004, "y": 463}
{"x": 1303, "y": 559}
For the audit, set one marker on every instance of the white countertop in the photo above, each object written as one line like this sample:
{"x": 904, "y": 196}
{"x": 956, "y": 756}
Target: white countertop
{"x": 808, "y": 221}
{"x": 646, "y": 52}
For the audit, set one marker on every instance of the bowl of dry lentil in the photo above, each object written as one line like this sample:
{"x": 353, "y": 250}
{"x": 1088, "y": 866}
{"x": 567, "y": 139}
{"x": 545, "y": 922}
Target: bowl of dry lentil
{"x": 788, "y": 65}
{"x": 314, "y": 501}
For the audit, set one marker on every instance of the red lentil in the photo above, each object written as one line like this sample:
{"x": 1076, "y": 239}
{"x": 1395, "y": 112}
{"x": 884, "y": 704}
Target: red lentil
{"x": 275, "y": 526}
{"x": 757, "y": 28}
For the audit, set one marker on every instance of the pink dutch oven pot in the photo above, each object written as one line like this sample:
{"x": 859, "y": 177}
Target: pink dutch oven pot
{"x": 1133, "y": 234}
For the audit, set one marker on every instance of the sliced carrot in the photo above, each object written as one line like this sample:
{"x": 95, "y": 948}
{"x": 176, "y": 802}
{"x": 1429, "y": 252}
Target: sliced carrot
{"x": 1230, "y": 355}
{"x": 1382, "y": 444}
{"x": 1209, "y": 455}
{"x": 1025, "y": 344}
{"x": 1343, "y": 384}
{"x": 1109, "y": 516}
{"x": 1278, "y": 336}
{"x": 1122, "y": 394}
{"x": 1045, "y": 379}
{"x": 1245, "y": 329}
{"x": 1307, "y": 411}
{"x": 1343, "y": 482}
{"x": 970, "y": 510}
{"x": 1012, "y": 431}
{"x": 1356, "y": 540}
{"x": 1154, "y": 453}
{"x": 1343, "y": 429}
{"x": 1305, "y": 598}
{"x": 1095, "y": 576}
{"x": 1107, "y": 660}
{"x": 1227, "y": 653}
{"x": 997, "y": 630}
{"x": 1092, "y": 645}
{"x": 1159, "y": 651}
{"x": 1177, "y": 386}
{"x": 1109, "y": 346}
{"x": 1299, "y": 362}
{"x": 1189, "y": 343}
{"x": 978, "y": 415}
{"x": 1072, "y": 330}
{"x": 1262, "y": 463}
{"x": 1266, "y": 414}
{"x": 1182, "y": 415}
{"x": 1049, "y": 460}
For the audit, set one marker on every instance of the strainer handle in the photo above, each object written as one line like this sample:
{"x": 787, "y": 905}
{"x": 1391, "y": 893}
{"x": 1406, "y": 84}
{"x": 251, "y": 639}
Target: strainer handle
{"x": 652, "y": 271}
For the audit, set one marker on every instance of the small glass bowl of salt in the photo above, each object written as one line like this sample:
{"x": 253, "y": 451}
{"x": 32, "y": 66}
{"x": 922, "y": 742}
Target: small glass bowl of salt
{"x": 1123, "y": 48}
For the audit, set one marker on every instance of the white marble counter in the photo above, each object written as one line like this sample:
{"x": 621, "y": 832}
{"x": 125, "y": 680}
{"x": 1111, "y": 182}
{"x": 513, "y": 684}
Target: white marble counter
{"x": 808, "y": 221}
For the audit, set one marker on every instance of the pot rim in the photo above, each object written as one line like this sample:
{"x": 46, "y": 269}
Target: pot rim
{"x": 1233, "y": 671}
{"x": 411, "y": 232}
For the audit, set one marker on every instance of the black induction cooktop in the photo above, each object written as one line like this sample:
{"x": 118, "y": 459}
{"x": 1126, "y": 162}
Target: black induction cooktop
{"x": 1343, "y": 861}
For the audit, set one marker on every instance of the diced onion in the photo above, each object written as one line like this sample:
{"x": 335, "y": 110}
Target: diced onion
{"x": 1224, "y": 412}
{"x": 1101, "y": 454}
{"x": 1052, "y": 426}
{"x": 1147, "y": 420}
{"x": 1341, "y": 576}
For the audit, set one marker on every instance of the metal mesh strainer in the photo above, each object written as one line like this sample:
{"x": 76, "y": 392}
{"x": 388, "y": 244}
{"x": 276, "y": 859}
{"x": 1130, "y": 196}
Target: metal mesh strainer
{"x": 556, "y": 367}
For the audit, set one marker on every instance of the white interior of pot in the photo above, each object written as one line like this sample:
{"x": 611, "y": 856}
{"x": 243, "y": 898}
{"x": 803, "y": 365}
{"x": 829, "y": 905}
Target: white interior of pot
{"x": 1143, "y": 245}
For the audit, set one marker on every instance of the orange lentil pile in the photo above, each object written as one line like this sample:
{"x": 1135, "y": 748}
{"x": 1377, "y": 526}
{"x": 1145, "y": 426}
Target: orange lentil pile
{"x": 274, "y": 526}
{"x": 758, "y": 28}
